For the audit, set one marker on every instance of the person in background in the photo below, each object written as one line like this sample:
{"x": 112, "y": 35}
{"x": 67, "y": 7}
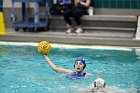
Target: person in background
{"x": 79, "y": 9}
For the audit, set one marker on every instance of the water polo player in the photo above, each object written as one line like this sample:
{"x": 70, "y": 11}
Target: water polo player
{"x": 79, "y": 66}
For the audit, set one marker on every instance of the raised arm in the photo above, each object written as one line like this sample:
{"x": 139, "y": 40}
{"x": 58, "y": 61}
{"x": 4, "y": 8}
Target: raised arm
{"x": 56, "y": 69}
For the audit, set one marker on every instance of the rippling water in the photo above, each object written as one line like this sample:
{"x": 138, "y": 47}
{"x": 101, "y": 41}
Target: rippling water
{"x": 24, "y": 70}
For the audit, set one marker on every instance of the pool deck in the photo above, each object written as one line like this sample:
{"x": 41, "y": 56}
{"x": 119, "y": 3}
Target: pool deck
{"x": 64, "y": 38}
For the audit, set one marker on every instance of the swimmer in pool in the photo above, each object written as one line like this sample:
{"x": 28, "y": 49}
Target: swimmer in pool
{"x": 79, "y": 66}
{"x": 98, "y": 86}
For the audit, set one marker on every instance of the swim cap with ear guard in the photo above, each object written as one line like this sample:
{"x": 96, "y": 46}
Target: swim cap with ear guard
{"x": 81, "y": 59}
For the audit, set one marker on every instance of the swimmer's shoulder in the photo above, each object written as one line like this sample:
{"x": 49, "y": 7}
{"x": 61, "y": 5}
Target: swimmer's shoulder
{"x": 89, "y": 74}
{"x": 86, "y": 74}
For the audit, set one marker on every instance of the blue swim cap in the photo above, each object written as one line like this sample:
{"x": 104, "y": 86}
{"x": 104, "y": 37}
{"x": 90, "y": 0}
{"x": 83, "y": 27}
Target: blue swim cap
{"x": 81, "y": 59}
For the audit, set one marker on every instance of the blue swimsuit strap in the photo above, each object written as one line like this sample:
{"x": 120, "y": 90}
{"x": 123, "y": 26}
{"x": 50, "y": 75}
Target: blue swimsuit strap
{"x": 76, "y": 76}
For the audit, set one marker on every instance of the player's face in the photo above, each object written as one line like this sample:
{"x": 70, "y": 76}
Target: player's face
{"x": 79, "y": 66}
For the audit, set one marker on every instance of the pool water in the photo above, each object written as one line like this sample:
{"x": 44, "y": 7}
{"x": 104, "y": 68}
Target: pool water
{"x": 24, "y": 70}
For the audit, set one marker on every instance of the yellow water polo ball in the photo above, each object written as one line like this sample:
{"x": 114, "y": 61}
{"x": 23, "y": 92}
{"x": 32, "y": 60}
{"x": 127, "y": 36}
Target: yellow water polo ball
{"x": 44, "y": 47}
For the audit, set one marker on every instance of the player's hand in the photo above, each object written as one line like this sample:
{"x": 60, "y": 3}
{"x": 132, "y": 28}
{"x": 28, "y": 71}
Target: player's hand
{"x": 76, "y": 2}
